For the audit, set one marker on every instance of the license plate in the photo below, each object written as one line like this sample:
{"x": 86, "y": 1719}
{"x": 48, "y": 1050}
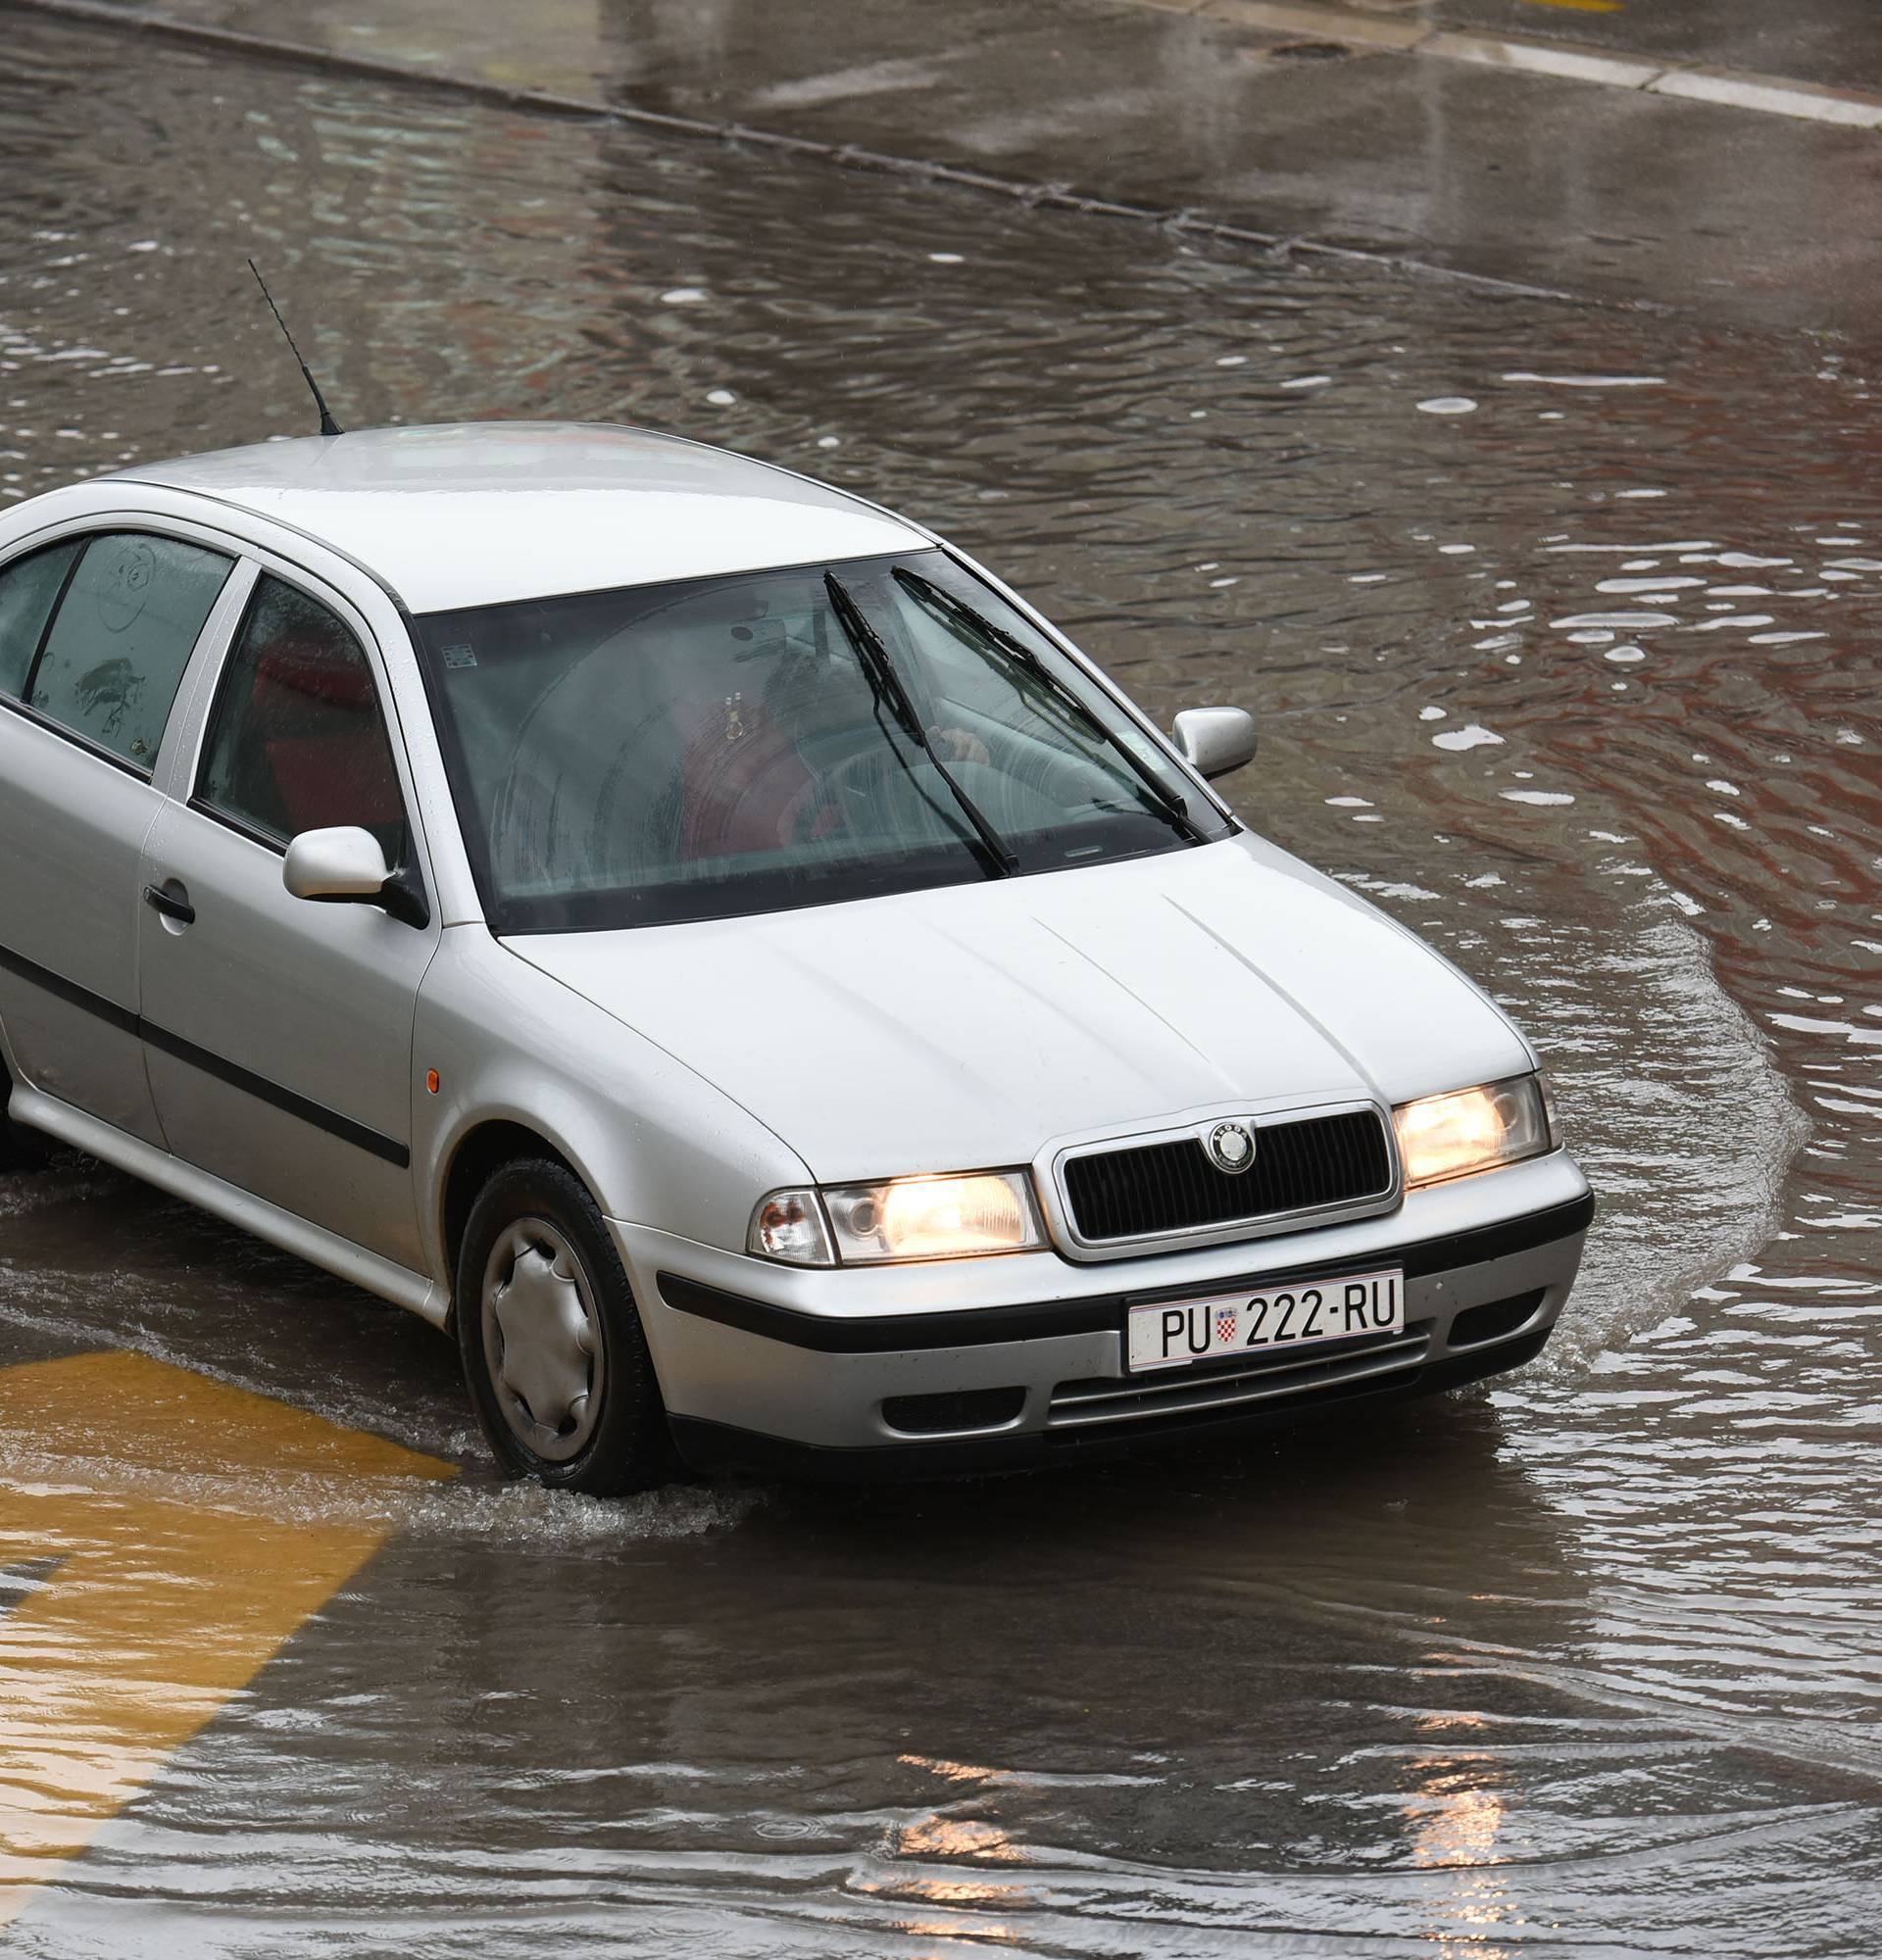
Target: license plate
{"x": 1175, "y": 1334}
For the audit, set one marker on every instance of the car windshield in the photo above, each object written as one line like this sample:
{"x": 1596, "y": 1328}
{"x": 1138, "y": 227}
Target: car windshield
{"x": 776, "y": 739}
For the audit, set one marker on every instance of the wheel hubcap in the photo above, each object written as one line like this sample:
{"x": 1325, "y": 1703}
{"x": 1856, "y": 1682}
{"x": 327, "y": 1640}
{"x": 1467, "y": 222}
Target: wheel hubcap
{"x": 542, "y": 1340}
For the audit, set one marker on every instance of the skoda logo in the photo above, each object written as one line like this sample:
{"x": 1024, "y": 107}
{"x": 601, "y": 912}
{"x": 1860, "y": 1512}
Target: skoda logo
{"x": 1230, "y": 1147}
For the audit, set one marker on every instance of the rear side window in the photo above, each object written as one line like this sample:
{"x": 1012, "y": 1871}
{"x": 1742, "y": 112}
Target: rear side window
{"x": 110, "y": 668}
{"x": 30, "y": 588}
{"x": 297, "y": 741}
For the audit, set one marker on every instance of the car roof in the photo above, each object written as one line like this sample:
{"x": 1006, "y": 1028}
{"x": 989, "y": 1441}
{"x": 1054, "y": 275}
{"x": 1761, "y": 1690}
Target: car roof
{"x": 475, "y": 514}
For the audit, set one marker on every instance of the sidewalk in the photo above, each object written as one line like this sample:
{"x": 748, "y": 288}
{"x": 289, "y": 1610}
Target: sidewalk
{"x": 1386, "y": 128}
{"x": 1834, "y": 42}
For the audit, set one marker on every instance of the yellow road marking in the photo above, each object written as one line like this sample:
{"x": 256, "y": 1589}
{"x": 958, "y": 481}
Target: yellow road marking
{"x": 1583, "y": 6}
{"x": 159, "y": 1607}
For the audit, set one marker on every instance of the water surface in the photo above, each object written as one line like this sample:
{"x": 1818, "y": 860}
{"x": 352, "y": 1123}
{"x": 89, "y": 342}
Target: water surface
{"x": 1559, "y": 626}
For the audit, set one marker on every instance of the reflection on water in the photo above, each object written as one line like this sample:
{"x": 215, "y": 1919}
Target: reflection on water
{"x": 128, "y": 1619}
{"x": 1559, "y": 626}
{"x": 1455, "y": 1816}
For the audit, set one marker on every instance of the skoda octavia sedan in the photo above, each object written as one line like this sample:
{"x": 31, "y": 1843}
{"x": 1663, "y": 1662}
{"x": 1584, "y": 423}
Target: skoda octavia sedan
{"x": 711, "y": 947}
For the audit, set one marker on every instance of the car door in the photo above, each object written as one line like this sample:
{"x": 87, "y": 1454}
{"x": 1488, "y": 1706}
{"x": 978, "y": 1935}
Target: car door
{"x": 96, "y": 628}
{"x": 277, "y": 1031}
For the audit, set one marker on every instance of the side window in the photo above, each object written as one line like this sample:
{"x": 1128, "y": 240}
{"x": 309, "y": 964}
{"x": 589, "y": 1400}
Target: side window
{"x": 123, "y": 634}
{"x": 30, "y": 588}
{"x": 296, "y": 741}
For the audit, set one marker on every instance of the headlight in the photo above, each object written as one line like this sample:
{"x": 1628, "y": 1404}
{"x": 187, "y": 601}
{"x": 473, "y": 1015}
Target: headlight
{"x": 1473, "y": 1129}
{"x": 900, "y": 1219}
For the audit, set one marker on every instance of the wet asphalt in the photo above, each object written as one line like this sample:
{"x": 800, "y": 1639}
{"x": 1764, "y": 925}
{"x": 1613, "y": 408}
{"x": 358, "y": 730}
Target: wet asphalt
{"x": 1247, "y": 114}
{"x": 1559, "y": 623}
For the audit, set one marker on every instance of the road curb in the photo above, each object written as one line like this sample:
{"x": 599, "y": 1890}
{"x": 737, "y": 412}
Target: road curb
{"x": 1566, "y": 60}
{"x": 848, "y": 156}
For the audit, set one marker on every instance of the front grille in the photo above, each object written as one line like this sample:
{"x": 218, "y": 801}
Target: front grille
{"x": 1175, "y": 1186}
{"x": 1197, "y": 1394}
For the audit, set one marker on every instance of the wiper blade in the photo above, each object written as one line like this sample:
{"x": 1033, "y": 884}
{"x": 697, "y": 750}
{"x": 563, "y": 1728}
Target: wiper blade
{"x": 1166, "y": 799}
{"x": 880, "y": 671}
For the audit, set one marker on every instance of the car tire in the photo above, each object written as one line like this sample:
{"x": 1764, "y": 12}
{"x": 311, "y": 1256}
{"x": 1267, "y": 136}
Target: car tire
{"x": 554, "y": 1355}
{"x": 20, "y": 1149}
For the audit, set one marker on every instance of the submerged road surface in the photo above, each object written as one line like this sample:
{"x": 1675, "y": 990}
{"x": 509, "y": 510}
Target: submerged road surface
{"x": 1561, "y": 624}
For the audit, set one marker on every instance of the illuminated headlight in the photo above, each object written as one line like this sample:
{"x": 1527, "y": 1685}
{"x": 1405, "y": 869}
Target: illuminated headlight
{"x": 900, "y": 1219}
{"x": 1473, "y": 1129}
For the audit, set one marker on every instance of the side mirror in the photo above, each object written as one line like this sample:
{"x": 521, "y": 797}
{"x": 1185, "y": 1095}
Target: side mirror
{"x": 343, "y": 864}
{"x": 346, "y": 865}
{"x": 1214, "y": 741}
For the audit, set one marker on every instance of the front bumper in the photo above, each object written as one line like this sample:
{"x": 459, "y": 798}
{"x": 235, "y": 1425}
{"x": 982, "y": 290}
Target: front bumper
{"x": 994, "y": 1363}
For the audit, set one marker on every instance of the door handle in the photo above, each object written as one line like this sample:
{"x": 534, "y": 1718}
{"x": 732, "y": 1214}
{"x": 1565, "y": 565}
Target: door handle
{"x": 179, "y": 910}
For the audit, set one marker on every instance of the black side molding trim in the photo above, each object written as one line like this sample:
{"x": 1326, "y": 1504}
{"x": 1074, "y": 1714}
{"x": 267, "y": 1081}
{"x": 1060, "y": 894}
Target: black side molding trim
{"x": 1497, "y": 1242}
{"x": 69, "y": 991}
{"x": 316, "y": 1114}
{"x": 387, "y": 1148}
{"x": 891, "y": 1334}
{"x": 976, "y": 1327}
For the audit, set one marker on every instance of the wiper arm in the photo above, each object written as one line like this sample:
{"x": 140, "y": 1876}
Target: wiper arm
{"x": 881, "y": 671}
{"x": 1167, "y": 800}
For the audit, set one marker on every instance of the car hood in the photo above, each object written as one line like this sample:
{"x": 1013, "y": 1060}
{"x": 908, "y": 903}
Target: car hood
{"x": 970, "y": 1026}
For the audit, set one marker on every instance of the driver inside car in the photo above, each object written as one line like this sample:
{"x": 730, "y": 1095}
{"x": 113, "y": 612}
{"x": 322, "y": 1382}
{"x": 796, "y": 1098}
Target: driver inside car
{"x": 711, "y": 730}
{"x": 784, "y": 758}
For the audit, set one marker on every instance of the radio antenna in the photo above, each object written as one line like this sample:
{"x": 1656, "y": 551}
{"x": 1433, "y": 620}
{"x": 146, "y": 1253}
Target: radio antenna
{"x": 328, "y": 427}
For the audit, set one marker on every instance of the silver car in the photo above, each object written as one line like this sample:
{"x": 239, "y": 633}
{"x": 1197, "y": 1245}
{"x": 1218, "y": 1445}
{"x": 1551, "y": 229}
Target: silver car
{"x": 706, "y": 942}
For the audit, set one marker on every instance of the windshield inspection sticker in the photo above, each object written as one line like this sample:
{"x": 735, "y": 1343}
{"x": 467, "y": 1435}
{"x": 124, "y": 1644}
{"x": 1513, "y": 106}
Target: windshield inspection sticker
{"x": 460, "y": 656}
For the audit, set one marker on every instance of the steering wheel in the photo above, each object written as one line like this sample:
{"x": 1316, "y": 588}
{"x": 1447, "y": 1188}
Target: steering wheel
{"x": 847, "y": 786}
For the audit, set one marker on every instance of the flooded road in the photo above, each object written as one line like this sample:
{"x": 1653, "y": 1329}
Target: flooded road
{"x": 1561, "y": 624}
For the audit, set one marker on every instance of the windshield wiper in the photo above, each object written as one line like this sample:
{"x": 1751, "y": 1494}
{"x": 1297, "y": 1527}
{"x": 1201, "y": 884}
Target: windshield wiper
{"x": 1167, "y": 800}
{"x": 881, "y": 671}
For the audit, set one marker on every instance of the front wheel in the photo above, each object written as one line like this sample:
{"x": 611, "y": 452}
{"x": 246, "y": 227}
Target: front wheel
{"x": 553, "y": 1351}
